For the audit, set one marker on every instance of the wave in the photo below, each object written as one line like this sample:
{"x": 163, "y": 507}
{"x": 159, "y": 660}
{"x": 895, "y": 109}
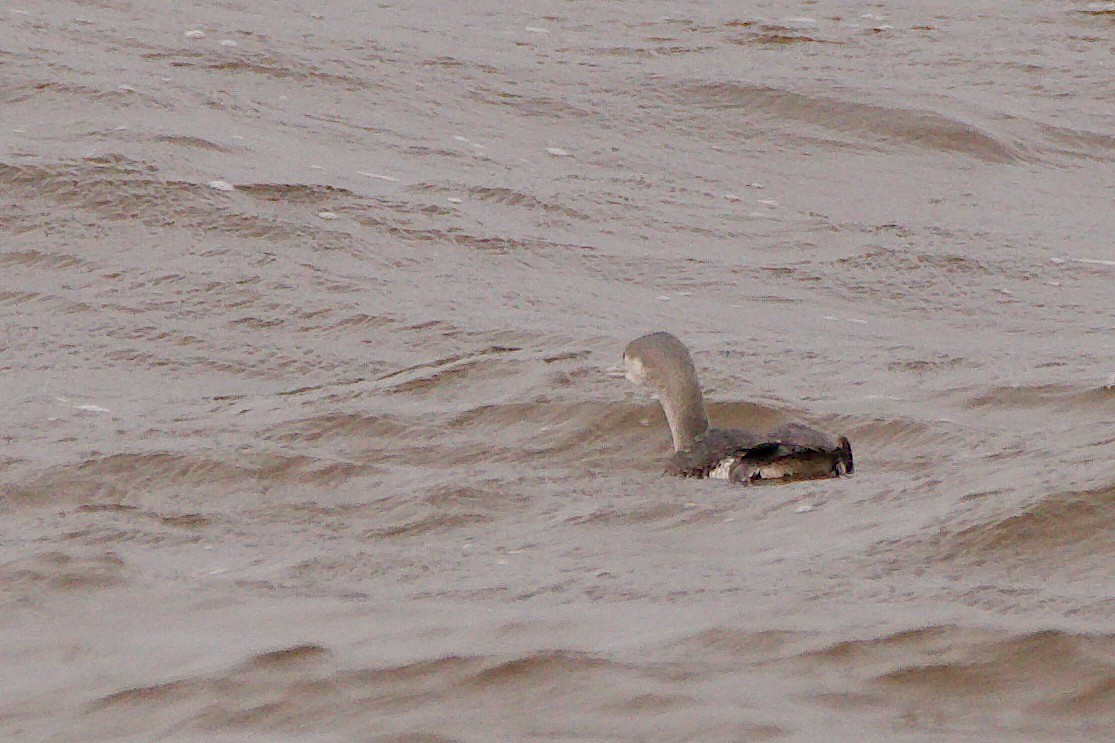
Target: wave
{"x": 945, "y": 669}
{"x": 1042, "y": 672}
{"x": 113, "y": 187}
{"x": 289, "y": 67}
{"x": 115, "y": 477}
{"x": 918, "y": 128}
{"x": 278, "y": 690}
{"x": 1080, "y": 522}
{"x": 39, "y": 574}
{"x": 40, "y": 260}
{"x": 504, "y": 196}
{"x": 192, "y": 142}
{"x": 338, "y": 425}
{"x": 1056, "y": 396}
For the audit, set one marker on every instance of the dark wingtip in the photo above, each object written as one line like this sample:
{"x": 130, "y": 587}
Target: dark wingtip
{"x": 846, "y": 455}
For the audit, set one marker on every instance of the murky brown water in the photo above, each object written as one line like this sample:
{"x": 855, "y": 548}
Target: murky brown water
{"x": 306, "y": 431}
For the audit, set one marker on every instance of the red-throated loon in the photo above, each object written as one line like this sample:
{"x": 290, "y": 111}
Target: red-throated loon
{"x": 661, "y": 362}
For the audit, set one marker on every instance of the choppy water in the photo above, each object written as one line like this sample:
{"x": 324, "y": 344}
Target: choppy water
{"x": 305, "y": 310}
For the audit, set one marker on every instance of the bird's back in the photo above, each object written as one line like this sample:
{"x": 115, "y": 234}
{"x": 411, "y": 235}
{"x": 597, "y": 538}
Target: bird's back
{"x": 791, "y": 451}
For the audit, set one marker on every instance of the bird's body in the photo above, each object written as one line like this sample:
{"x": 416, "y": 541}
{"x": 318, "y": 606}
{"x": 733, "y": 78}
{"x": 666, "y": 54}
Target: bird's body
{"x": 793, "y": 451}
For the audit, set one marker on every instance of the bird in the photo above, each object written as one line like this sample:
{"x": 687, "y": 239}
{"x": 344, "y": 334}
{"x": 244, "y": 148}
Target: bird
{"x": 661, "y": 363}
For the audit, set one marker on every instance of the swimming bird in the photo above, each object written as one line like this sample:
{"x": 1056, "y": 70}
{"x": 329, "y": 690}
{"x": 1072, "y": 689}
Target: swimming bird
{"x": 661, "y": 363}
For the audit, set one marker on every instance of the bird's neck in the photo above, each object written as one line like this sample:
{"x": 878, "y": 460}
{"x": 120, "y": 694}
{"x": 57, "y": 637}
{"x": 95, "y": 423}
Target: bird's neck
{"x": 685, "y": 412}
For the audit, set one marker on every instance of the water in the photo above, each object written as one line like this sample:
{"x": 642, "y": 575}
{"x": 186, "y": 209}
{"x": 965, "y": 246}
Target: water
{"x": 306, "y": 427}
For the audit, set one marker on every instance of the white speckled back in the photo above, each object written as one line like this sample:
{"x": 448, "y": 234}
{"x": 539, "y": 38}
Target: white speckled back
{"x": 723, "y": 470}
